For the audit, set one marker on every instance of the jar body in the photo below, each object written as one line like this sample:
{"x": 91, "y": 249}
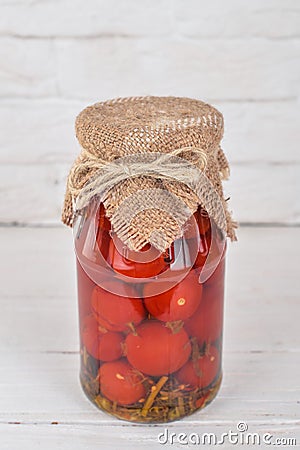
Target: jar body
{"x": 150, "y": 329}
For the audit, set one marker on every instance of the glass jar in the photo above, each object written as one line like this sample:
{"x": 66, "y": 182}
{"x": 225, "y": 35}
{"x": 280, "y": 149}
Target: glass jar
{"x": 150, "y": 323}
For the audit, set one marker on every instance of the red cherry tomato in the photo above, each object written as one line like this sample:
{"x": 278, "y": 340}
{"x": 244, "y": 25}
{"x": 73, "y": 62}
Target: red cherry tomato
{"x": 103, "y": 221}
{"x": 130, "y": 263}
{"x": 203, "y": 220}
{"x": 85, "y": 288}
{"x": 217, "y": 277}
{"x": 106, "y": 346}
{"x": 89, "y": 334}
{"x": 177, "y": 303}
{"x": 201, "y": 372}
{"x": 203, "y": 250}
{"x": 156, "y": 350}
{"x": 102, "y": 233}
{"x": 207, "y": 322}
{"x": 115, "y": 312}
{"x": 110, "y": 346}
{"x": 203, "y": 224}
{"x": 120, "y": 383}
{"x": 206, "y": 247}
{"x": 103, "y": 240}
{"x": 106, "y": 325}
{"x": 216, "y": 252}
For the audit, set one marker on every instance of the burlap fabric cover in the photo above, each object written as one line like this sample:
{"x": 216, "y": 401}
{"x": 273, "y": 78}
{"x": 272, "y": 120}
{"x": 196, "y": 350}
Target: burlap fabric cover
{"x": 114, "y": 129}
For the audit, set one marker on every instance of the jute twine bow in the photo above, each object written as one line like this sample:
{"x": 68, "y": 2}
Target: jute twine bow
{"x": 106, "y": 181}
{"x": 168, "y": 166}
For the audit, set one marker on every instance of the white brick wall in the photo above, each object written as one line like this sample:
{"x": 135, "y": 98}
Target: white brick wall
{"x": 57, "y": 56}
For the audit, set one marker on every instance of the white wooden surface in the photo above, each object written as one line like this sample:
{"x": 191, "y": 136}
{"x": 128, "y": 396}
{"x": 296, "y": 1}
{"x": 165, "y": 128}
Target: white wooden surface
{"x": 57, "y": 56}
{"x": 41, "y": 403}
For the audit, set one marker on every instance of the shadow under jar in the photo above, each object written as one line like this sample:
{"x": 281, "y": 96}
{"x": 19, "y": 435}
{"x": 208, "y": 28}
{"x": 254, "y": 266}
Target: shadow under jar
{"x": 150, "y": 323}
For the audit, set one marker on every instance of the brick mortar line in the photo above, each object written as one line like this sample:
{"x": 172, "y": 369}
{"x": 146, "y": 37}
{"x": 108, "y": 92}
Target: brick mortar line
{"x": 175, "y": 36}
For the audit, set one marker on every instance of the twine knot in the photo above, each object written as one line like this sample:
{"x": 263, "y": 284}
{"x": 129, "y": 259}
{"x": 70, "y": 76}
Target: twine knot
{"x": 165, "y": 166}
